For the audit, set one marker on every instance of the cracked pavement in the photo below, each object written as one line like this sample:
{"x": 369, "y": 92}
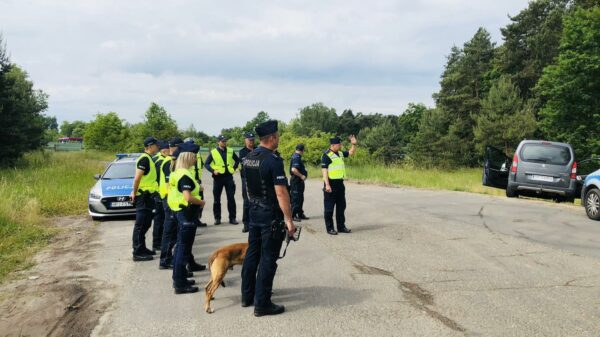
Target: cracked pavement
{"x": 418, "y": 263}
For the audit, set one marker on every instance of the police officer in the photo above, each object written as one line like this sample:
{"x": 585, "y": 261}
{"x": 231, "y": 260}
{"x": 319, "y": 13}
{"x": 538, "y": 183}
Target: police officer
{"x": 222, "y": 163}
{"x": 197, "y": 173}
{"x": 144, "y": 188}
{"x": 334, "y": 191}
{"x": 170, "y": 225}
{"x": 298, "y": 175}
{"x": 184, "y": 199}
{"x": 249, "y": 147}
{"x": 269, "y": 207}
{"x": 159, "y": 212}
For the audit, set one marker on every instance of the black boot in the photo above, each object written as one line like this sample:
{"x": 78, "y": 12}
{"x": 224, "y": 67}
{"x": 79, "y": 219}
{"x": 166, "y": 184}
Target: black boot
{"x": 272, "y": 309}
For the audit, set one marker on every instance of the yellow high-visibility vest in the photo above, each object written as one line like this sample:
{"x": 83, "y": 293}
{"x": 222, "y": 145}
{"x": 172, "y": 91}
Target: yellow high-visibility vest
{"x": 175, "y": 199}
{"x": 217, "y": 161}
{"x": 337, "y": 169}
{"x": 148, "y": 182}
{"x": 163, "y": 186}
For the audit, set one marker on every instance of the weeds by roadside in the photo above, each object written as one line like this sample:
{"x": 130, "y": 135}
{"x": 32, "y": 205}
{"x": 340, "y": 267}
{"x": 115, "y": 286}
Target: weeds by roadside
{"x": 42, "y": 185}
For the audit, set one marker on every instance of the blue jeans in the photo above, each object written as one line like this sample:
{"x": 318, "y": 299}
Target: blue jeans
{"x": 260, "y": 263}
{"x": 183, "y": 250}
{"x": 169, "y": 237}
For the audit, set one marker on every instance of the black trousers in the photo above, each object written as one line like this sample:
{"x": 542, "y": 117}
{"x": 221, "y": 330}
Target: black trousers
{"x": 144, "y": 204}
{"x": 260, "y": 263}
{"x": 159, "y": 220}
{"x": 220, "y": 182}
{"x": 245, "y": 217}
{"x": 336, "y": 199}
{"x": 169, "y": 235}
{"x": 297, "y": 195}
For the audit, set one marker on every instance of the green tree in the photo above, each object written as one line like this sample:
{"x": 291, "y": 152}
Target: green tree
{"x": 316, "y": 117}
{"x": 531, "y": 42}
{"x": 383, "y": 142}
{"x": 505, "y": 119}
{"x": 259, "y": 118}
{"x": 107, "y": 132}
{"x": 464, "y": 83}
{"x": 407, "y": 125}
{"x": 571, "y": 88}
{"x": 200, "y": 137}
{"x": 428, "y": 148}
{"x": 158, "y": 123}
{"x": 21, "y": 106}
{"x": 75, "y": 129}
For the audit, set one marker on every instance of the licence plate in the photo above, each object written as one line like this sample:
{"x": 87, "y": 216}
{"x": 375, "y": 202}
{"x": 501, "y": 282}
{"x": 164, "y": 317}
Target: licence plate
{"x": 542, "y": 178}
{"x": 121, "y": 204}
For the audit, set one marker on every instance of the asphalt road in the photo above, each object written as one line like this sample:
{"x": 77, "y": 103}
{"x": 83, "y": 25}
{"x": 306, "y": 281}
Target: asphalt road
{"x": 418, "y": 263}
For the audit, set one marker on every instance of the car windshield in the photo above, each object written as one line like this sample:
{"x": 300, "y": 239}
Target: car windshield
{"x": 546, "y": 154}
{"x": 120, "y": 171}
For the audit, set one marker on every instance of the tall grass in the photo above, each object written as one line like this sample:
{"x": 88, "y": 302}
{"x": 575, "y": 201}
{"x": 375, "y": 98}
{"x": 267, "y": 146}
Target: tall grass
{"x": 464, "y": 179}
{"x": 42, "y": 185}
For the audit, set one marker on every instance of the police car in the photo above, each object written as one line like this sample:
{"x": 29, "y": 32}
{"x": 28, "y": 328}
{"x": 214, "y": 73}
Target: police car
{"x": 590, "y": 189}
{"x": 110, "y": 196}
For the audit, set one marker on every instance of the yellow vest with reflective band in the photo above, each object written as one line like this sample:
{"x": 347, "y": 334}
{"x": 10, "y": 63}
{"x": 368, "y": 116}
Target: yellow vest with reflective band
{"x": 199, "y": 165}
{"x": 148, "y": 182}
{"x": 217, "y": 161}
{"x": 175, "y": 199}
{"x": 337, "y": 169}
{"x": 163, "y": 186}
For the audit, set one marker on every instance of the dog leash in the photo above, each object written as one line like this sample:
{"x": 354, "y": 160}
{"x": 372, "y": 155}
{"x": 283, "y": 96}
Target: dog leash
{"x": 288, "y": 239}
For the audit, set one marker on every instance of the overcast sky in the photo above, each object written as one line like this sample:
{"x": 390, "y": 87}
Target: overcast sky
{"x": 217, "y": 63}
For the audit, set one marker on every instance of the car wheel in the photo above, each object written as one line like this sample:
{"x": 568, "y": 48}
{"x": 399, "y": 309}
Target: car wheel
{"x": 511, "y": 192}
{"x": 592, "y": 204}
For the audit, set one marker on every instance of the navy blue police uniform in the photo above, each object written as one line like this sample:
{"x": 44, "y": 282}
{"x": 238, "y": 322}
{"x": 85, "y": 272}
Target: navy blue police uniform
{"x": 263, "y": 170}
{"x": 169, "y": 237}
{"x": 223, "y": 180}
{"x": 187, "y": 219}
{"x": 336, "y": 199}
{"x": 144, "y": 205}
{"x": 297, "y": 185}
{"x": 243, "y": 153}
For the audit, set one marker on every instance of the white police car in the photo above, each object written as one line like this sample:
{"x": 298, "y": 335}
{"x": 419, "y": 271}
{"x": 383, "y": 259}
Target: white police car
{"x": 110, "y": 196}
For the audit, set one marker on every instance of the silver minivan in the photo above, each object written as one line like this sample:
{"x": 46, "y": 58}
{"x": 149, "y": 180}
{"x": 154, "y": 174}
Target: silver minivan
{"x": 538, "y": 168}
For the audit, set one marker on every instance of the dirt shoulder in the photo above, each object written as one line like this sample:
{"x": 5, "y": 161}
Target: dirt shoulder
{"x": 57, "y": 297}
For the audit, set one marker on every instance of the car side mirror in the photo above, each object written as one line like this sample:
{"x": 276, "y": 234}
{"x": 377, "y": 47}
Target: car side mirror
{"x": 97, "y": 176}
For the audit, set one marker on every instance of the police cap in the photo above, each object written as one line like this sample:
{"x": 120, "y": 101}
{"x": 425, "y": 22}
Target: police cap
{"x": 266, "y": 128}
{"x": 248, "y": 135}
{"x": 300, "y": 147}
{"x": 163, "y": 144}
{"x": 175, "y": 141}
{"x": 222, "y": 138}
{"x": 150, "y": 141}
{"x": 335, "y": 140}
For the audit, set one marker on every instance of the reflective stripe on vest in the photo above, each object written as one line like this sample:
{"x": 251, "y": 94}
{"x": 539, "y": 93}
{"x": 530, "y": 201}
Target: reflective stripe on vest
{"x": 337, "y": 169}
{"x": 148, "y": 182}
{"x": 175, "y": 199}
{"x": 163, "y": 186}
{"x": 217, "y": 161}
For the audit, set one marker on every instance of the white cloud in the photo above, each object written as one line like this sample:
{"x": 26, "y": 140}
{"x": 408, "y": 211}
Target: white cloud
{"x": 215, "y": 64}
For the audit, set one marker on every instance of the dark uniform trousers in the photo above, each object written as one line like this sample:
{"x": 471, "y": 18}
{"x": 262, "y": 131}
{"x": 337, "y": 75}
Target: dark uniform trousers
{"x": 220, "y": 182}
{"x": 159, "y": 219}
{"x": 260, "y": 263}
{"x": 297, "y": 195}
{"x": 144, "y": 204}
{"x": 169, "y": 237}
{"x": 188, "y": 221}
{"x": 245, "y": 216}
{"x": 336, "y": 199}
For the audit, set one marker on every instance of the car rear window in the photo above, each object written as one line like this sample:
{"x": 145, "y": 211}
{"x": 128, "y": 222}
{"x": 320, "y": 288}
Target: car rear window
{"x": 120, "y": 171}
{"x": 546, "y": 154}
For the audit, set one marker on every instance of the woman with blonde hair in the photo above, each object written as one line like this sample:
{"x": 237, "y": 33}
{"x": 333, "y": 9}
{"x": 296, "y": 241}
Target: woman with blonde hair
{"x": 184, "y": 199}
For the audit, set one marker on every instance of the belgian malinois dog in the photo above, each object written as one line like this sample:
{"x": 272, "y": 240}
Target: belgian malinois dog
{"x": 219, "y": 262}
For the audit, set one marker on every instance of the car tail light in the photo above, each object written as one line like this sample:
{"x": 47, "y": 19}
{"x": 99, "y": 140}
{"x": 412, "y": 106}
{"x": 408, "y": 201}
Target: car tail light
{"x": 574, "y": 170}
{"x": 515, "y": 163}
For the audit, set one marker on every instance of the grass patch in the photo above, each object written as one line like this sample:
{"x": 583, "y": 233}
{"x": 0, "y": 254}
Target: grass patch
{"x": 42, "y": 185}
{"x": 464, "y": 179}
